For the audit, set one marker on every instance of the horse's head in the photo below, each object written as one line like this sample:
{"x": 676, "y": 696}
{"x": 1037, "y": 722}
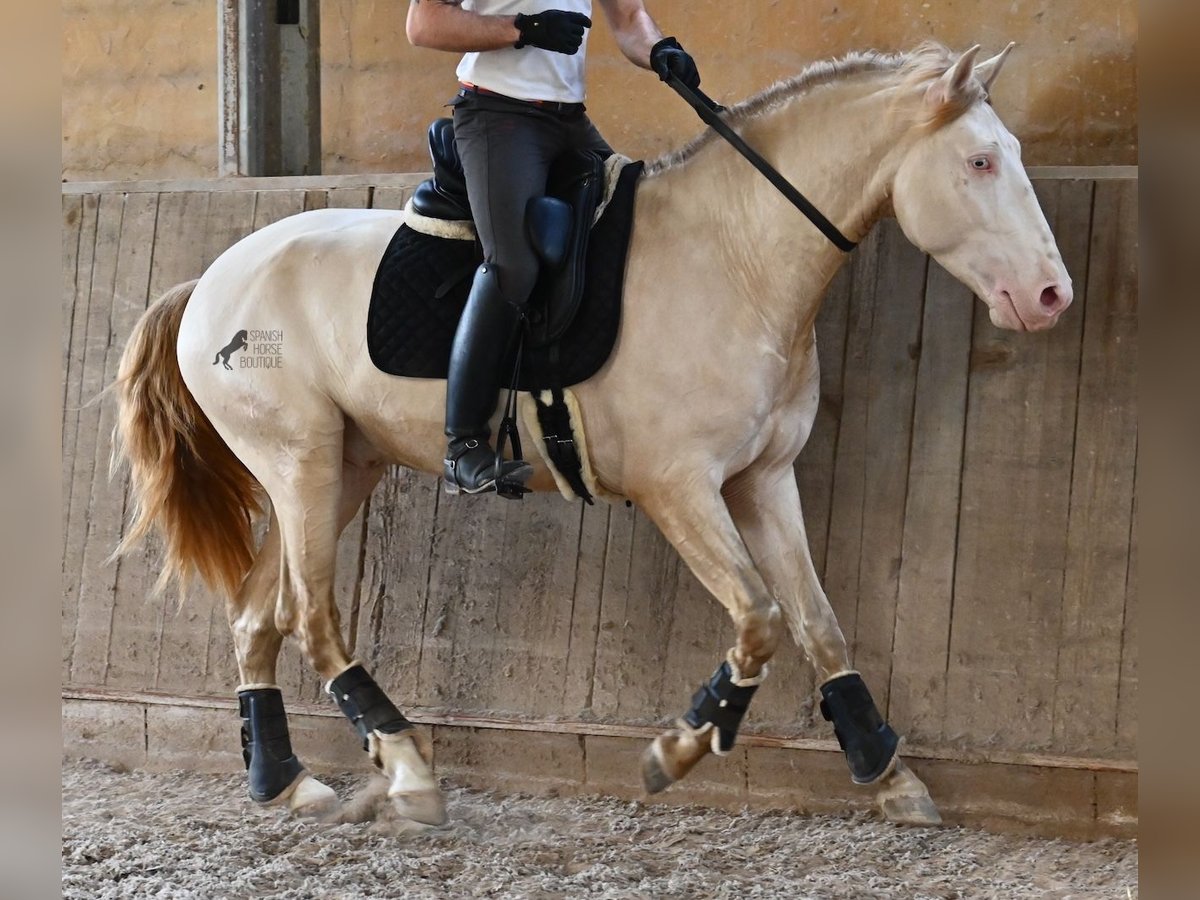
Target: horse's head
{"x": 961, "y": 194}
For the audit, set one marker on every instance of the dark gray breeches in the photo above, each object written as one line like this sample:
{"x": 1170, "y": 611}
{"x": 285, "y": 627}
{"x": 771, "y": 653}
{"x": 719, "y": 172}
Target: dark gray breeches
{"x": 507, "y": 148}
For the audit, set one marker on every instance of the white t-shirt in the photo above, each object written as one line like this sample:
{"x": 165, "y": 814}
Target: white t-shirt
{"x": 530, "y": 73}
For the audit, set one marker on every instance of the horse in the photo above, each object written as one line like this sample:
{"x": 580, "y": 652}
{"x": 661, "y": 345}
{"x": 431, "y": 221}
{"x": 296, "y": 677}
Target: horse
{"x": 717, "y": 260}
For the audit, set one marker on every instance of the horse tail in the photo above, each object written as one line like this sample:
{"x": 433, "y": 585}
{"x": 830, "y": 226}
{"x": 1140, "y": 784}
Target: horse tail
{"x": 185, "y": 481}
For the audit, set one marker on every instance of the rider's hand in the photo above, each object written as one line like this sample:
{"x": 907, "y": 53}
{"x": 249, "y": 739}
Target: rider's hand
{"x": 552, "y": 29}
{"x": 668, "y": 58}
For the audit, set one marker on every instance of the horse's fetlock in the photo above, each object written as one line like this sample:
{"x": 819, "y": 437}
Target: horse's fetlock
{"x": 759, "y": 633}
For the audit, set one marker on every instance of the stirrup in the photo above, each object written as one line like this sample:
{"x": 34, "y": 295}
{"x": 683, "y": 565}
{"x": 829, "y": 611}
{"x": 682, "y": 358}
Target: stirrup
{"x": 510, "y": 481}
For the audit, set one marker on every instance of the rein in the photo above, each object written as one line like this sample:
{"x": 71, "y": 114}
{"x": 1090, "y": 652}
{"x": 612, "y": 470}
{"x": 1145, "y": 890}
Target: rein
{"x": 708, "y": 110}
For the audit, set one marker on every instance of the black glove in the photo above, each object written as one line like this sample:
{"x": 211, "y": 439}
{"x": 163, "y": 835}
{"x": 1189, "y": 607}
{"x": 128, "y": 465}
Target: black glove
{"x": 552, "y": 29}
{"x": 668, "y": 58}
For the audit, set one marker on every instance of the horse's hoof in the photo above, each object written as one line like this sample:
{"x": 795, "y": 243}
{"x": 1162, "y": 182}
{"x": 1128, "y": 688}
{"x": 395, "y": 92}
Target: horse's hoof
{"x": 654, "y": 776}
{"x": 427, "y": 807}
{"x": 904, "y": 799}
{"x": 310, "y": 797}
{"x": 910, "y": 811}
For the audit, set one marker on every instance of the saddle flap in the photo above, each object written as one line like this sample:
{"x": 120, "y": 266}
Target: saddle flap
{"x": 577, "y": 180}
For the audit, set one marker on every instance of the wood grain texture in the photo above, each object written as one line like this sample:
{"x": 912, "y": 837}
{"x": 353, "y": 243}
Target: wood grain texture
{"x": 1101, "y": 516}
{"x": 395, "y": 583}
{"x": 871, "y": 471}
{"x": 970, "y": 498}
{"x": 1016, "y": 485}
{"x": 1127, "y": 718}
{"x": 181, "y": 245}
{"x": 926, "y": 586}
{"x": 133, "y": 624}
{"x": 96, "y": 530}
{"x": 79, "y": 241}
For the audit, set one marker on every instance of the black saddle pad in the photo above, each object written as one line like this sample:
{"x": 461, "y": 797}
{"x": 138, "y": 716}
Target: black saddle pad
{"x": 422, "y": 283}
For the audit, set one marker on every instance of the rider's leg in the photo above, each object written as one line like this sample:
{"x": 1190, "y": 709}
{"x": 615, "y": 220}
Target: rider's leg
{"x": 506, "y": 157}
{"x": 583, "y": 135}
{"x": 481, "y": 345}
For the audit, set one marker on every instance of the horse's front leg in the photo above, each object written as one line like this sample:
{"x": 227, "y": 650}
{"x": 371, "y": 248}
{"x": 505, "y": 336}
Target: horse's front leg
{"x": 765, "y": 505}
{"x": 697, "y": 523}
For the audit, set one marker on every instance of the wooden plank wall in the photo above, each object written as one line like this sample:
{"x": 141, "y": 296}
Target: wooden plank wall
{"x": 969, "y": 499}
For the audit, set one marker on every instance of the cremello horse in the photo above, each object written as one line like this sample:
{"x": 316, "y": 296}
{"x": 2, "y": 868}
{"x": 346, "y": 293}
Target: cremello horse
{"x": 910, "y": 133}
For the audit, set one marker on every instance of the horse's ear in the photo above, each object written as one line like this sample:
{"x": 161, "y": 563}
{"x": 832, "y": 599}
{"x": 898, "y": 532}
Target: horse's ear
{"x": 987, "y": 70}
{"x": 951, "y": 87}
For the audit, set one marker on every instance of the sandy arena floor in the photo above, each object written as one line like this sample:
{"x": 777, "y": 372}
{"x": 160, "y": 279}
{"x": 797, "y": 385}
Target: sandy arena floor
{"x": 185, "y": 836}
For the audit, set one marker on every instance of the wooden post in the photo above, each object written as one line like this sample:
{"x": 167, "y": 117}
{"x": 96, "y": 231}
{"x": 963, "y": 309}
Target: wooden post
{"x": 270, "y": 109}
{"x": 300, "y": 80}
{"x": 229, "y": 78}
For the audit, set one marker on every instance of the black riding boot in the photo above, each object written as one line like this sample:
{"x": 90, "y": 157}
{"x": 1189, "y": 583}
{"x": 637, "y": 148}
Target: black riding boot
{"x": 481, "y": 347}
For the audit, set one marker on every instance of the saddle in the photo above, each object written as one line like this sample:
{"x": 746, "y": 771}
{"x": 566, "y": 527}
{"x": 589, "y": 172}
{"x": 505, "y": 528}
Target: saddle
{"x": 423, "y": 279}
{"x": 558, "y": 225}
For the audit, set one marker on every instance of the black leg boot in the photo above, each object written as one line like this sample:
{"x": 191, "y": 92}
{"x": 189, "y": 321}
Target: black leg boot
{"x": 481, "y": 347}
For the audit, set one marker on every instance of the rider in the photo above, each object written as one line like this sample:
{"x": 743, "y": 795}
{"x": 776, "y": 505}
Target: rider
{"x": 519, "y": 107}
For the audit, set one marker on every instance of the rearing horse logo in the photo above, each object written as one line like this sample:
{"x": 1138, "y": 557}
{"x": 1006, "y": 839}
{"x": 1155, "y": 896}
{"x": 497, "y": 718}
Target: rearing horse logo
{"x": 238, "y": 343}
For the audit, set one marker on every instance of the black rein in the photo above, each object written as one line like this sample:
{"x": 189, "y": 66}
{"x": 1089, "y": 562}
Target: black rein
{"x": 708, "y": 110}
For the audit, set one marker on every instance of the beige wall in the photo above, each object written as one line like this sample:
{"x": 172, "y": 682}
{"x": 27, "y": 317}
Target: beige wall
{"x": 139, "y": 77}
{"x": 139, "y": 89}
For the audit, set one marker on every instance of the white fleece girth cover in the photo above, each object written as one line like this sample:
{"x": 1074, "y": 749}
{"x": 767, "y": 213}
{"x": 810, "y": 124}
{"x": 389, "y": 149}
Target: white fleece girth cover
{"x": 528, "y": 410}
{"x": 465, "y": 231}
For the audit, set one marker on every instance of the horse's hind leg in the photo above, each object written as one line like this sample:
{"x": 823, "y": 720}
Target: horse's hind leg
{"x": 313, "y": 491}
{"x": 275, "y": 774}
{"x": 765, "y": 504}
{"x": 698, "y": 524}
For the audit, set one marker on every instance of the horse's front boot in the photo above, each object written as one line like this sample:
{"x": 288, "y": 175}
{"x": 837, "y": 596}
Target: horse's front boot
{"x": 481, "y": 346}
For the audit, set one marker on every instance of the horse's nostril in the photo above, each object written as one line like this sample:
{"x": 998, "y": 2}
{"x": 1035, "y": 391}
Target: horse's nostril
{"x": 1051, "y": 299}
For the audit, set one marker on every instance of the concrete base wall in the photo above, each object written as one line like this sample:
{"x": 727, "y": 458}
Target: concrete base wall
{"x": 163, "y": 735}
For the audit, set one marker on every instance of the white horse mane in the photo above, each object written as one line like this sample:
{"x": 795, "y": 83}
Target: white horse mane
{"x": 916, "y": 67}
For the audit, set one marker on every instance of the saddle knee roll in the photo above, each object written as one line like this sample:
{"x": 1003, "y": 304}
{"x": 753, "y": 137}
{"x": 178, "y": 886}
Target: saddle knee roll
{"x": 548, "y": 222}
{"x": 867, "y": 740}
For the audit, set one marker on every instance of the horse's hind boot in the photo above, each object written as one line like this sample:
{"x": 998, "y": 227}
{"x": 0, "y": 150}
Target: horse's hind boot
{"x": 271, "y": 766}
{"x": 722, "y": 702}
{"x": 481, "y": 347}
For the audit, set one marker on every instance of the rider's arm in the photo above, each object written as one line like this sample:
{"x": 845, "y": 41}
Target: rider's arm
{"x": 633, "y": 28}
{"x": 445, "y": 25}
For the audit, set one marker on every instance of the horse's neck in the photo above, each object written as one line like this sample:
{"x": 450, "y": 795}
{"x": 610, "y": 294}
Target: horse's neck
{"x": 833, "y": 147}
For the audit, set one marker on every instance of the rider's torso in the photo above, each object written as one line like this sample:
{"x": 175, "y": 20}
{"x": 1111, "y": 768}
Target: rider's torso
{"x": 529, "y": 73}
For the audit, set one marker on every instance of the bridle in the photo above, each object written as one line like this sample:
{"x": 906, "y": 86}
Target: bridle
{"x": 709, "y": 111}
